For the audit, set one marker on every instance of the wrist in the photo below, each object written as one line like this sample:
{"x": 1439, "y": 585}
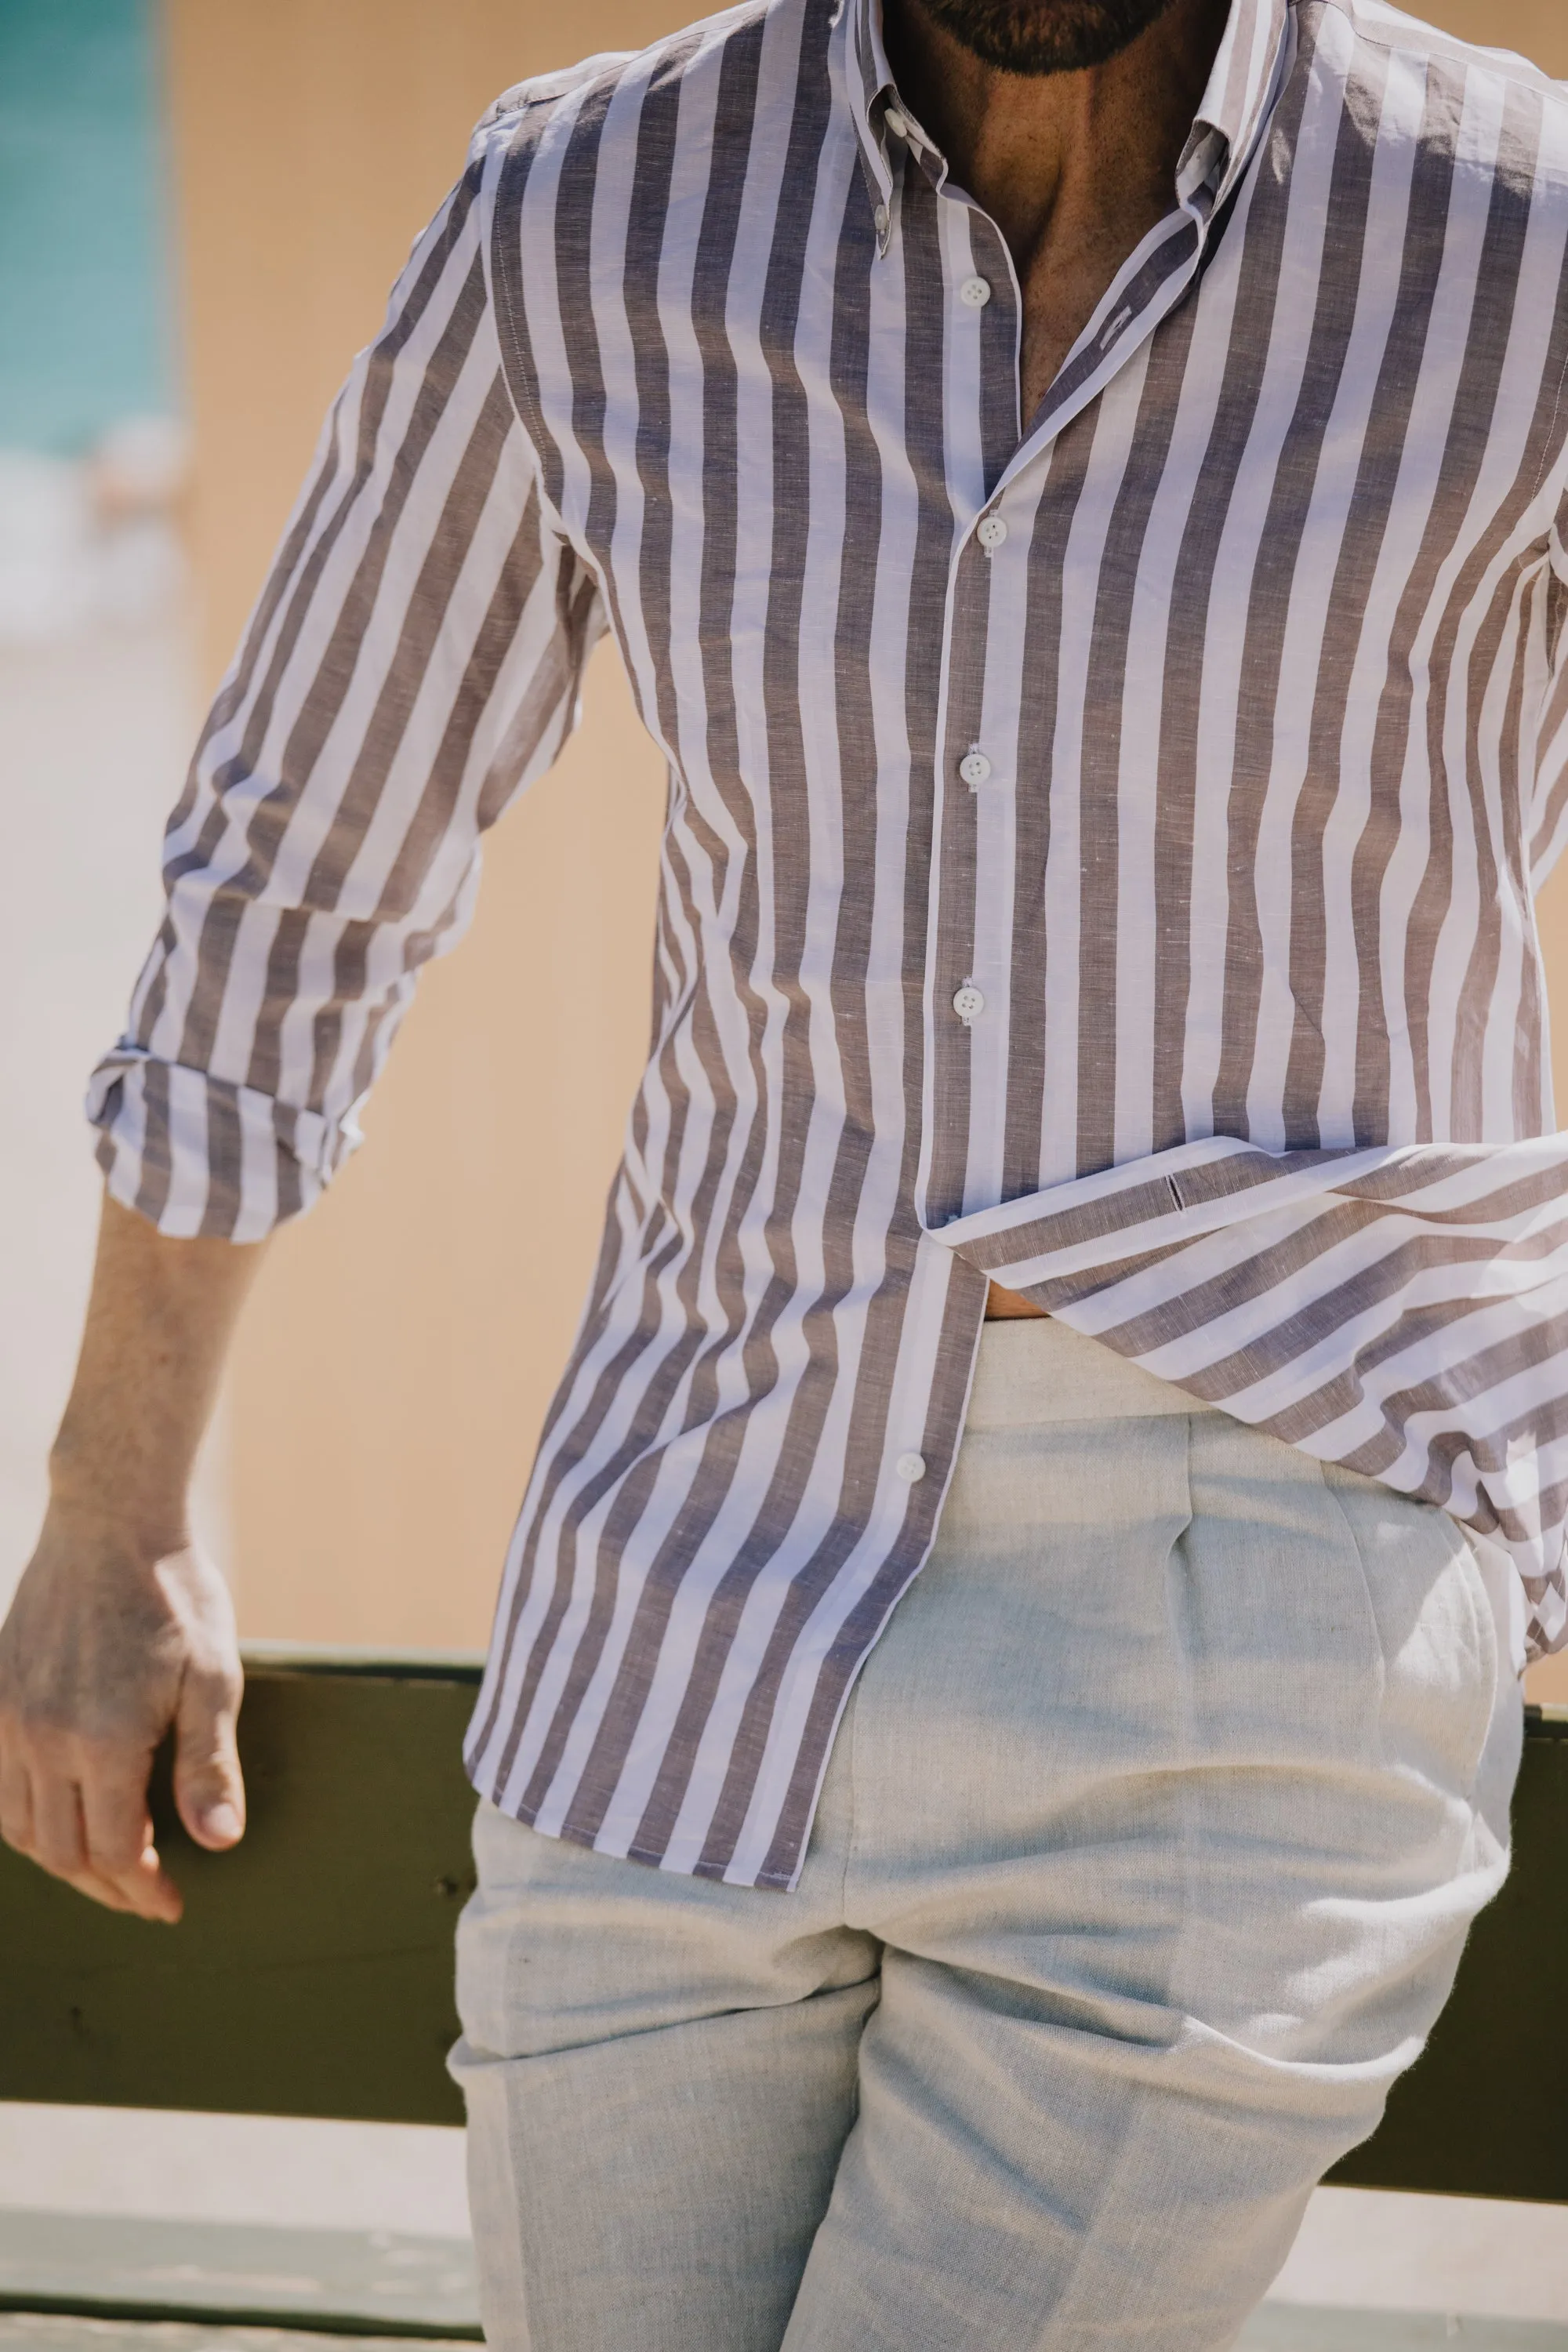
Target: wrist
{"x": 95, "y": 1500}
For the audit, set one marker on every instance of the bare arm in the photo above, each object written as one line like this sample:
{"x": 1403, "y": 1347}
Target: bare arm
{"x": 120, "y": 1627}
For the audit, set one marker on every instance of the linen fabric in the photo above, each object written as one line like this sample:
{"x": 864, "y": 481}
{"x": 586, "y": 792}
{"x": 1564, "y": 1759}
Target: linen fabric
{"x": 1133, "y": 903}
{"x": 1141, "y": 1868}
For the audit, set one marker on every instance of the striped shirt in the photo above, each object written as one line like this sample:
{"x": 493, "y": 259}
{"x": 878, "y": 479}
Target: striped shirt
{"x": 1099, "y": 854}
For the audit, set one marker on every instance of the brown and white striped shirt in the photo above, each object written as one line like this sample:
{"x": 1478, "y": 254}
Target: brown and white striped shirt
{"x": 1100, "y": 846}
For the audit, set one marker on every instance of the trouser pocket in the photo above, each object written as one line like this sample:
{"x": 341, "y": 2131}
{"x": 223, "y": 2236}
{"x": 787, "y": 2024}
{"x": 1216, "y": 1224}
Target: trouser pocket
{"x": 1443, "y": 1665}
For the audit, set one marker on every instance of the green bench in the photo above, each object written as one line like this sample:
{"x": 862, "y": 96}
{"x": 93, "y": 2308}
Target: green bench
{"x": 313, "y": 1973}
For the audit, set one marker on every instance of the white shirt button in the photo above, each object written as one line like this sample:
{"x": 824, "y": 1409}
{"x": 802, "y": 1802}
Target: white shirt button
{"x": 974, "y": 768}
{"x": 991, "y": 530}
{"x": 967, "y": 1002}
{"x": 976, "y": 292}
{"x": 912, "y": 1468}
{"x": 895, "y": 123}
{"x": 880, "y": 217}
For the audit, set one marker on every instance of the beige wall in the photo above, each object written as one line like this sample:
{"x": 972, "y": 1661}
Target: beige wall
{"x": 396, "y": 1365}
{"x": 398, "y": 1358}
{"x": 1538, "y": 28}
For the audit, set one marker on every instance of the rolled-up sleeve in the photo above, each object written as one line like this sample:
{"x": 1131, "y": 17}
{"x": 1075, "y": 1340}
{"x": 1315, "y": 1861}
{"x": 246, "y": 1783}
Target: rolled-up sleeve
{"x": 414, "y": 661}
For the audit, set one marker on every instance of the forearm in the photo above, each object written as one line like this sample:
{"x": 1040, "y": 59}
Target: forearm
{"x": 119, "y": 1629}
{"x": 158, "y": 1322}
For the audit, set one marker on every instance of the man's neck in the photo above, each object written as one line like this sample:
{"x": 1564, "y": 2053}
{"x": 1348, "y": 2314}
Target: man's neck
{"x": 1048, "y": 154}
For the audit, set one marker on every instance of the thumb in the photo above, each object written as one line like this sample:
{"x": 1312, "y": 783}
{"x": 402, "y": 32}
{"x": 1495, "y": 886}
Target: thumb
{"x": 208, "y": 1789}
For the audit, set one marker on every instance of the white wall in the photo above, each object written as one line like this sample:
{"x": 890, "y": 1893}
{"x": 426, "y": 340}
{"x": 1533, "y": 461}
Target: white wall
{"x": 95, "y": 732}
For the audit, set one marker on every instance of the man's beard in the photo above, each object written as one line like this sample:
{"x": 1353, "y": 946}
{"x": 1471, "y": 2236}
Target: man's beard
{"x": 1045, "y": 37}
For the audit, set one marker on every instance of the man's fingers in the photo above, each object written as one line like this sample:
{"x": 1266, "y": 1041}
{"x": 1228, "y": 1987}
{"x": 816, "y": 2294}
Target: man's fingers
{"x": 99, "y": 1890}
{"x": 120, "y": 1849}
{"x": 61, "y": 1849}
{"x": 16, "y": 1799}
{"x": 103, "y": 1651}
{"x": 208, "y": 1789}
{"x": 60, "y": 1841}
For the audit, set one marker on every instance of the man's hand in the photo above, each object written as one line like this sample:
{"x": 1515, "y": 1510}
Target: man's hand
{"x": 119, "y": 1629}
{"x": 101, "y": 1653}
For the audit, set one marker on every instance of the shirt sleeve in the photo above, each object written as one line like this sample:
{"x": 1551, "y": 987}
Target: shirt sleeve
{"x": 414, "y": 661}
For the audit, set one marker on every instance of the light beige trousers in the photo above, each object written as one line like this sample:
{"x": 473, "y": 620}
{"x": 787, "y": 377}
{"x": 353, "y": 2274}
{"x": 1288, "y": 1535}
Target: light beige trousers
{"x": 1144, "y": 1859}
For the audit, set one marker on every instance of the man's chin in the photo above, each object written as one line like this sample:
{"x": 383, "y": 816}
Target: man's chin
{"x": 1045, "y": 37}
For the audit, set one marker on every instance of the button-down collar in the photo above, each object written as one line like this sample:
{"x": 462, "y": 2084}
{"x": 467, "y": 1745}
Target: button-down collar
{"x": 1225, "y": 128}
{"x": 863, "y": 80}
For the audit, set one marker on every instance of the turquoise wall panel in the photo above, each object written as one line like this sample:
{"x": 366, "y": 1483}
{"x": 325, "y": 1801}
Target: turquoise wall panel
{"x": 86, "y": 331}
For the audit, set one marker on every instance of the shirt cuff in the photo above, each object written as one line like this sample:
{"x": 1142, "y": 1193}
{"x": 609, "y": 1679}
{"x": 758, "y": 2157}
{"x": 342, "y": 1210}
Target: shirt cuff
{"x": 198, "y": 1155}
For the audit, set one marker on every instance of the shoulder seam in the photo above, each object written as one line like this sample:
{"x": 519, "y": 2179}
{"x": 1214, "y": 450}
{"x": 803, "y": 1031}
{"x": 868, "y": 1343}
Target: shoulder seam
{"x": 539, "y": 89}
